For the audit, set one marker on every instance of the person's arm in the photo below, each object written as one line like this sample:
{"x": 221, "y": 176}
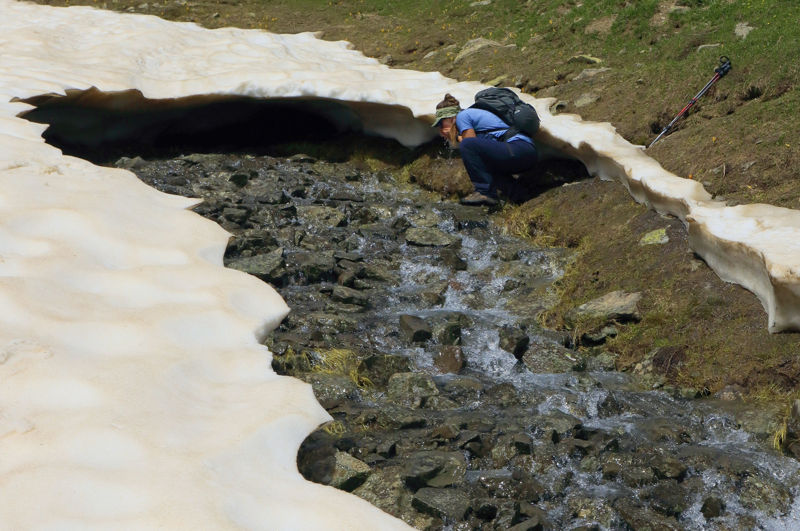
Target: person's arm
{"x": 468, "y": 133}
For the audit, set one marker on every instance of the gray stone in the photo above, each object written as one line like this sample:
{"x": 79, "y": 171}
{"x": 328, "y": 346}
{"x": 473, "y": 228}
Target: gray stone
{"x": 410, "y": 389}
{"x": 713, "y": 507}
{"x": 655, "y": 237}
{"x": 349, "y": 296}
{"x": 380, "y": 367}
{"x": 434, "y": 469}
{"x": 599, "y": 336}
{"x": 386, "y": 490}
{"x": 331, "y": 389}
{"x": 415, "y": 328}
{"x": 557, "y": 425}
{"x": 321, "y": 216}
{"x": 634, "y": 516}
{"x": 585, "y": 100}
{"x": 668, "y": 498}
{"x": 449, "y": 331}
{"x": 462, "y": 389}
{"x": 514, "y": 340}
{"x": 349, "y": 473}
{"x": 449, "y": 359}
{"x": 312, "y": 267}
{"x": 473, "y": 46}
{"x": 615, "y": 306}
{"x": 235, "y": 214}
{"x": 439, "y": 403}
{"x": 444, "y": 503}
{"x": 434, "y": 294}
{"x": 743, "y": 29}
{"x": 269, "y": 267}
{"x": 547, "y": 357}
{"x": 589, "y": 73}
{"x": 430, "y": 237}
{"x": 130, "y": 163}
{"x": 668, "y": 467}
{"x": 449, "y": 258}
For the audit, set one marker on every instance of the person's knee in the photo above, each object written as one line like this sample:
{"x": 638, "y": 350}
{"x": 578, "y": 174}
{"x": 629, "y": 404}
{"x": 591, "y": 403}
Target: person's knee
{"x": 469, "y": 145}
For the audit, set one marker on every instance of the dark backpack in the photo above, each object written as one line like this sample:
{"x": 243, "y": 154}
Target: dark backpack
{"x": 518, "y": 115}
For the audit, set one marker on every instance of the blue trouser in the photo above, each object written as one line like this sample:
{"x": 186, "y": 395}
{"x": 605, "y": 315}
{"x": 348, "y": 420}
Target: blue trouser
{"x": 490, "y": 162}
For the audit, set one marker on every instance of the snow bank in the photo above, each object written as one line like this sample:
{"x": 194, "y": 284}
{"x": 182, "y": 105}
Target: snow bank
{"x": 135, "y": 391}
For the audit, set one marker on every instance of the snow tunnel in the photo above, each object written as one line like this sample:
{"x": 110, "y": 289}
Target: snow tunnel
{"x": 97, "y": 125}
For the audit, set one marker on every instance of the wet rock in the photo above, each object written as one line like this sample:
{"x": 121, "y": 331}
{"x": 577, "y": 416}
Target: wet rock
{"x": 380, "y": 367}
{"x": 434, "y": 294}
{"x": 331, "y": 389}
{"x": 503, "y": 395}
{"x": 332, "y": 323}
{"x": 449, "y": 359}
{"x": 350, "y": 296}
{"x": 604, "y": 361}
{"x": 269, "y": 267}
{"x": 385, "y": 489}
{"x": 448, "y": 332}
{"x": 514, "y": 340}
{"x": 415, "y": 328}
{"x": 637, "y": 476}
{"x": 434, "y": 469}
{"x": 430, "y": 237}
{"x": 316, "y": 458}
{"x": 321, "y": 216}
{"x": 349, "y": 473}
{"x": 440, "y": 403}
{"x": 443, "y": 503}
{"x": 557, "y": 425}
{"x": 667, "y": 467}
{"x": 127, "y": 163}
{"x": 462, "y": 389}
{"x": 485, "y": 508}
{"x": 668, "y": 499}
{"x": 509, "y": 446}
{"x": 450, "y": 259}
{"x": 544, "y": 357}
{"x": 637, "y": 517}
{"x": 666, "y": 430}
{"x": 312, "y": 267}
{"x": 236, "y": 215}
{"x": 410, "y": 389}
{"x": 764, "y": 494}
{"x": 592, "y": 509}
{"x": 713, "y": 507}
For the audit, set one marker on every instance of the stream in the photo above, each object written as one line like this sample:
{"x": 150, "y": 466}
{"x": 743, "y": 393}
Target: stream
{"x": 414, "y": 320}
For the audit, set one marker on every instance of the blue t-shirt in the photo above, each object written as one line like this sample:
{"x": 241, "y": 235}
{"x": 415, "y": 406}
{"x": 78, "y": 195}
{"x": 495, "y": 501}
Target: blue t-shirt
{"x": 485, "y": 122}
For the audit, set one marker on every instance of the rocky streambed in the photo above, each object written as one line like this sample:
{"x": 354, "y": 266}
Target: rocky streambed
{"x": 415, "y": 322}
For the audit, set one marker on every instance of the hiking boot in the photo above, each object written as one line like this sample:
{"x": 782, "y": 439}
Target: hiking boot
{"x": 478, "y": 199}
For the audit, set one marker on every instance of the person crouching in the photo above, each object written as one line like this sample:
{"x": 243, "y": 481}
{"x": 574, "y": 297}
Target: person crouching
{"x": 490, "y": 162}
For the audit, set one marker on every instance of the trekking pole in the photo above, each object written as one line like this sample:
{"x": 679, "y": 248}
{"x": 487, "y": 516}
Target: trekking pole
{"x": 723, "y": 68}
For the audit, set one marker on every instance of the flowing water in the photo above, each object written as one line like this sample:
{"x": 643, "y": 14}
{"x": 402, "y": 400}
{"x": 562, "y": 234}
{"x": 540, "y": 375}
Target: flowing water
{"x": 604, "y": 452}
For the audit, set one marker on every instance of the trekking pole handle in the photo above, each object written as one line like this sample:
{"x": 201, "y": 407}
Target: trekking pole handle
{"x": 724, "y": 66}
